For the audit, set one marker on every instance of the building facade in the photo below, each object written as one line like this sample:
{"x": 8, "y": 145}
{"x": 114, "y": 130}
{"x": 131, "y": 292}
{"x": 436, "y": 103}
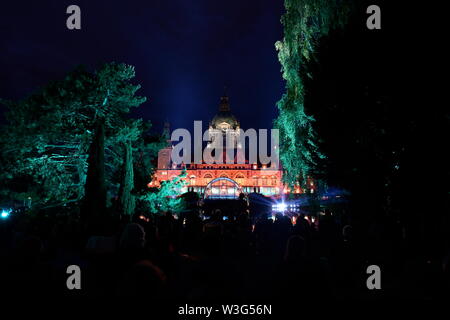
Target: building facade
{"x": 223, "y": 179}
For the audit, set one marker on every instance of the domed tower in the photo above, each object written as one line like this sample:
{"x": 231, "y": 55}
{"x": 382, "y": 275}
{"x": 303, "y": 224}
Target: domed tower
{"x": 224, "y": 124}
{"x": 224, "y": 119}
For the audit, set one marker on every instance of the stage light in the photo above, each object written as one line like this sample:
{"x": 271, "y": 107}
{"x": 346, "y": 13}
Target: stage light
{"x": 282, "y": 207}
{"x": 5, "y": 213}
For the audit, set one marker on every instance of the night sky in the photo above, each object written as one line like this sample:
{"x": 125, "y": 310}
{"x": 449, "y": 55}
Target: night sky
{"x": 184, "y": 52}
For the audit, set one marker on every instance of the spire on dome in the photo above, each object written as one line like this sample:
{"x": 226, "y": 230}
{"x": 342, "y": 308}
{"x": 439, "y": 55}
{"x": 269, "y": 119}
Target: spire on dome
{"x": 224, "y": 105}
{"x": 224, "y": 118}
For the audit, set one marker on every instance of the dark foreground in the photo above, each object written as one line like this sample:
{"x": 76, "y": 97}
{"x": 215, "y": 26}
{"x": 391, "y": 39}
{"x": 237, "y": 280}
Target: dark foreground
{"x": 191, "y": 260}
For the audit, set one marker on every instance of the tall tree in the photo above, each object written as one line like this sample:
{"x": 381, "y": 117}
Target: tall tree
{"x": 127, "y": 137}
{"x": 45, "y": 143}
{"x": 304, "y": 22}
{"x": 95, "y": 196}
{"x": 127, "y": 199}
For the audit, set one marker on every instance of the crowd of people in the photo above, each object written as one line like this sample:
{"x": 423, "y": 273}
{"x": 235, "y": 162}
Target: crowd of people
{"x": 192, "y": 258}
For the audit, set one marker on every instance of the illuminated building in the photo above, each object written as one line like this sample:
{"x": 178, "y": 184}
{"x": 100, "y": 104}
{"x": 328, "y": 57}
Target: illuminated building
{"x": 225, "y": 180}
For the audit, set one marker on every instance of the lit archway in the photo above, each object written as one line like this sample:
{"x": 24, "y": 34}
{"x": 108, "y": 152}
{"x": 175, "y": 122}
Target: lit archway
{"x": 222, "y": 188}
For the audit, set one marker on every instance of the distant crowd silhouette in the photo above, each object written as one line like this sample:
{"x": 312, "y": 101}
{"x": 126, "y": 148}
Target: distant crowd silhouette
{"x": 190, "y": 259}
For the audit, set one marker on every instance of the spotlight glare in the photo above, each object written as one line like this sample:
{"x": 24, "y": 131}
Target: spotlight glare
{"x": 5, "y": 213}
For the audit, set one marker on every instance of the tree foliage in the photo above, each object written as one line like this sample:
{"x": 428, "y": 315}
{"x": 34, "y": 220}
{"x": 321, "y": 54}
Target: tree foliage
{"x": 46, "y": 140}
{"x": 166, "y": 198}
{"x": 304, "y": 22}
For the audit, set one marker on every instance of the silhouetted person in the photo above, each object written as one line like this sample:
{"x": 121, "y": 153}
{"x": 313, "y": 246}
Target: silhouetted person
{"x": 144, "y": 280}
{"x": 300, "y": 275}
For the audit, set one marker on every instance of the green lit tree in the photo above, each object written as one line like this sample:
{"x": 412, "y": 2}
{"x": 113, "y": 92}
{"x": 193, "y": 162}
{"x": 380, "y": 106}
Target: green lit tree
{"x": 46, "y": 141}
{"x": 128, "y": 137}
{"x": 166, "y": 198}
{"x": 94, "y": 206}
{"x": 305, "y": 22}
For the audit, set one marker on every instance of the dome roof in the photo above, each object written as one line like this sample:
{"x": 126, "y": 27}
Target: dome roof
{"x": 224, "y": 119}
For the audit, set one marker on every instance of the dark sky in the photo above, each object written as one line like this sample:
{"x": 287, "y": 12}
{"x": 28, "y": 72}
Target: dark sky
{"x": 184, "y": 52}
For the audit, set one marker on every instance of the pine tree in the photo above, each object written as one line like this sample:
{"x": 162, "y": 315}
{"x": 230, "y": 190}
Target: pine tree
{"x": 46, "y": 140}
{"x": 127, "y": 137}
{"x": 94, "y": 207}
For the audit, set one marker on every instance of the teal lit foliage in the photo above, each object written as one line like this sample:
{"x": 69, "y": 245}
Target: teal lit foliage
{"x": 46, "y": 140}
{"x": 166, "y": 198}
{"x": 304, "y": 22}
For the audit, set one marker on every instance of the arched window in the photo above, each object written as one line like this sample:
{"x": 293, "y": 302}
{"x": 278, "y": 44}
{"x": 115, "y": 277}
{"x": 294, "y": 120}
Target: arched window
{"x": 207, "y": 178}
{"x": 274, "y": 180}
{"x": 239, "y": 179}
{"x": 192, "y": 180}
{"x": 264, "y": 181}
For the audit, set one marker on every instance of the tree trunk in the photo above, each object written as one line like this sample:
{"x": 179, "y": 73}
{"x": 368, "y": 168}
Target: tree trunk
{"x": 95, "y": 192}
{"x": 127, "y": 200}
{"x": 81, "y": 165}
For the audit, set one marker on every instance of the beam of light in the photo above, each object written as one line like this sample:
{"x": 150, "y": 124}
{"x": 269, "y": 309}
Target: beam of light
{"x": 281, "y": 207}
{"x": 5, "y": 213}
